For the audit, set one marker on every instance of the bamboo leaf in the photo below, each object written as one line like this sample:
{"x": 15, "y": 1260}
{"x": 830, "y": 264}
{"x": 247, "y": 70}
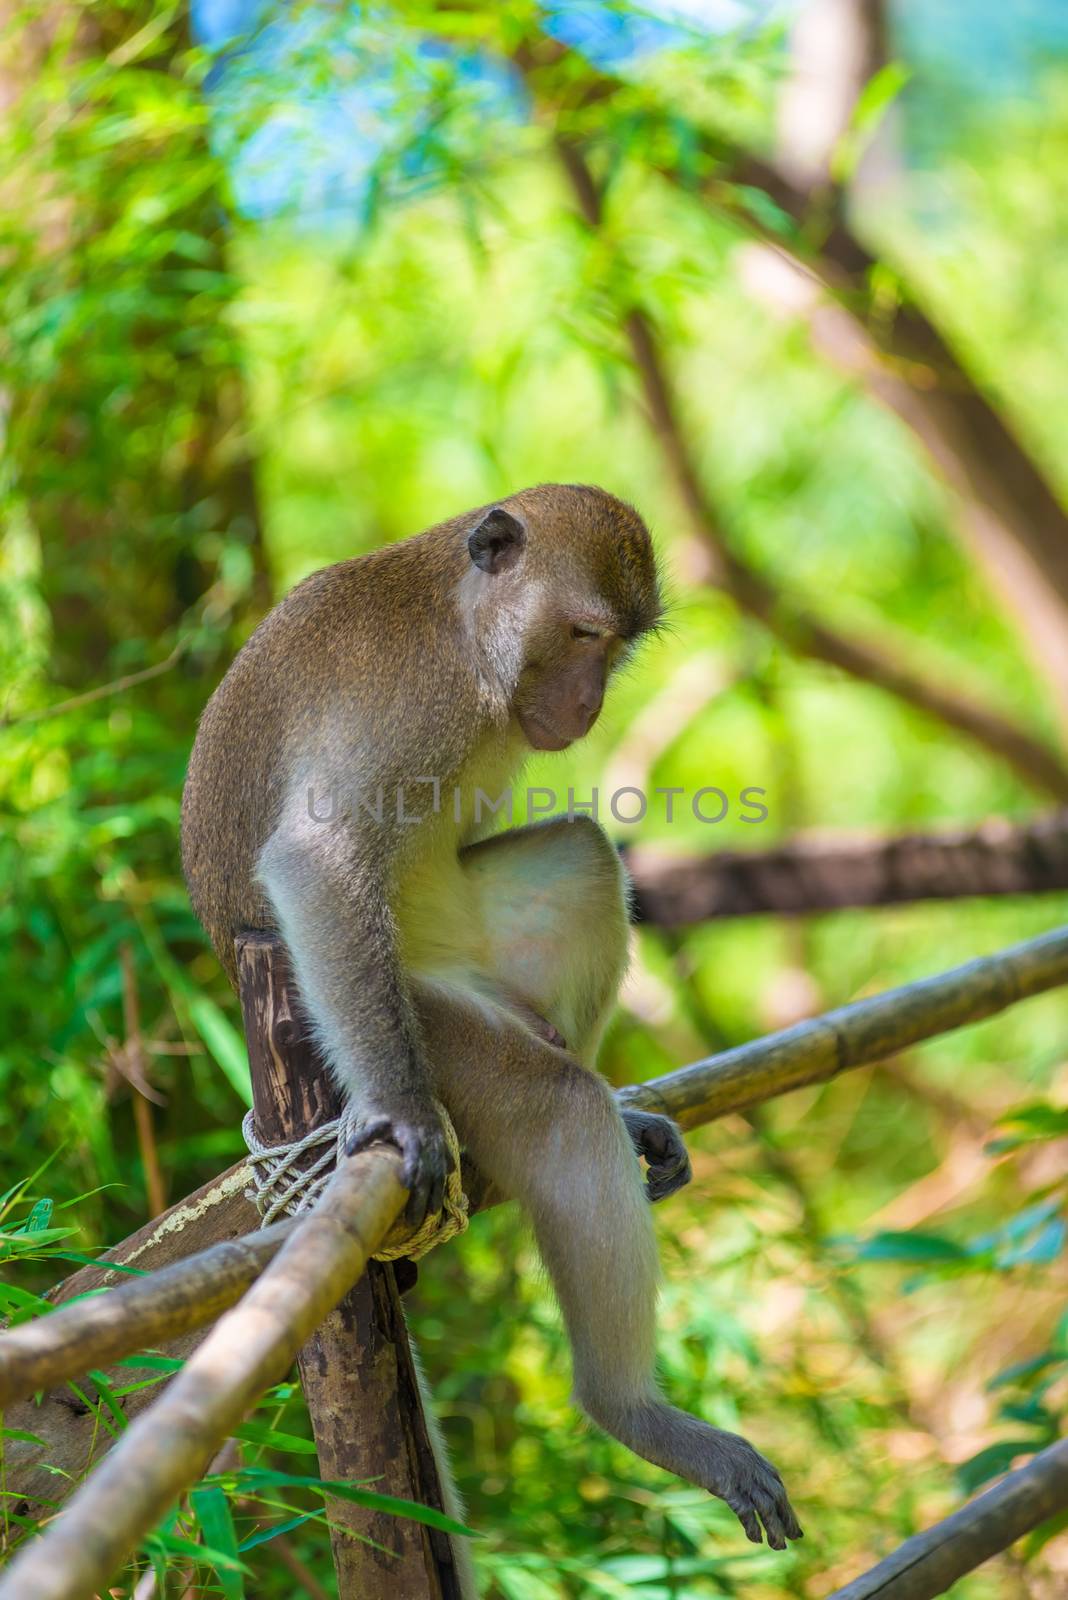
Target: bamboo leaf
{"x": 212, "y": 1511}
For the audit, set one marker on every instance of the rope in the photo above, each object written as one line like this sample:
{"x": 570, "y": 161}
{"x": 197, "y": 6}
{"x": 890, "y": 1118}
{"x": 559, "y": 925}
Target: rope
{"x": 284, "y": 1187}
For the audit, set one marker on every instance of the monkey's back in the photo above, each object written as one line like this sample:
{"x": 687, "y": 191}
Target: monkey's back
{"x": 326, "y": 653}
{"x": 376, "y": 661}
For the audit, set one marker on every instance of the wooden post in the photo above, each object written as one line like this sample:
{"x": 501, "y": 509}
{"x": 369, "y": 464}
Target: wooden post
{"x": 357, "y": 1371}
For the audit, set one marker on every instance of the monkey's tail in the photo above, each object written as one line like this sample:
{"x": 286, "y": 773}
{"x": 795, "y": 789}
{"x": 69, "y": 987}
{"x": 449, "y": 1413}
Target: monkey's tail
{"x": 451, "y": 1499}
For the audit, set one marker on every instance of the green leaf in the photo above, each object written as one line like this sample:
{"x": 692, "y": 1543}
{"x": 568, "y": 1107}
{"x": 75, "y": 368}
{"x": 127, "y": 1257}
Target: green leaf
{"x": 262, "y": 1477}
{"x": 95, "y": 1406}
{"x": 1029, "y": 1124}
{"x": 1031, "y": 1411}
{"x": 1024, "y": 1369}
{"x": 872, "y": 104}
{"x": 96, "y": 1261}
{"x": 107, "y": 1395}
{"x": 19, "y": 1305}
{"x": 223, "y": 1041}
{"x": 19, "y": 1242}
{"x": 266, "y": 1534}
{"x": 992, "y": 1462}
{"x": 156, "y": 1363}
{"x": 212, "y": 1511}
{"x": 261, "y": 1433}
{"x": 911, "y": 1248}
{"x": 765, "y": 211}
{"x": 22, "y": 1436}
{"x": 880, "y": 91}
{"x": 39, "y": 1217}
{"x": 176, "y": 1544}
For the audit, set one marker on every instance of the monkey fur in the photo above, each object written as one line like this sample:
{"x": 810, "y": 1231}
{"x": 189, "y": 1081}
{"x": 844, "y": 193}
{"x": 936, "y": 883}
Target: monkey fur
{"x": 436, "y": 962}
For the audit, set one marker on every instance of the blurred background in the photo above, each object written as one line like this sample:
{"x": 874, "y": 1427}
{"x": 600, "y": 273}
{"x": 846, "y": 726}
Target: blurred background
{"x": 282, "y": 283}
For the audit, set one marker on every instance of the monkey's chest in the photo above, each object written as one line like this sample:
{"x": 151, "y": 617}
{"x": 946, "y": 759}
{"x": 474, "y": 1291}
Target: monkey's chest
{"x": 440, "y": 913}
{"x": 438, "y": 921}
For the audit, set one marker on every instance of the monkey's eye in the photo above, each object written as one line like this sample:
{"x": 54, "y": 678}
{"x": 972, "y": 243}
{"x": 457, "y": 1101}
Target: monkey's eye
{"x": 579, "y": 631}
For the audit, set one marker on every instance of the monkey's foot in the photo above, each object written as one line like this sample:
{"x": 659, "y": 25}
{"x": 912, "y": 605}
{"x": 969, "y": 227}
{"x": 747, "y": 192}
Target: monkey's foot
{"x": 660, "y": 1141}
{"x": 723, "y": 1463}
{"x": 752, "y": 1488}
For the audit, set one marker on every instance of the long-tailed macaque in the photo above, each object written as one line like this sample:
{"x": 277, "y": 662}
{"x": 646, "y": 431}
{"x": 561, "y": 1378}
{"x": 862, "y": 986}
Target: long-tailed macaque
{"x": 333, "y": 795}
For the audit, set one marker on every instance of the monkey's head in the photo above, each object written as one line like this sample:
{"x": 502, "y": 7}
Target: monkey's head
{"x": 570, "y": 575}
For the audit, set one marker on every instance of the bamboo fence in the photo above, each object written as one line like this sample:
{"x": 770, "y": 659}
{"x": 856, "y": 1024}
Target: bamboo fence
{"x": 307, "y": 1289}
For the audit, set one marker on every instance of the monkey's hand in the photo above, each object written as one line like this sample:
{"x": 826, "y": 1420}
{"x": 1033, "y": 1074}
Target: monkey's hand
{"x": 415, "y": 1128}
{"x": 658, "y": 1139}
{"x": 752, "y": 1488}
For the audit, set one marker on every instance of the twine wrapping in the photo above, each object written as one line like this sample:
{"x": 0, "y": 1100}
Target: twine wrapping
{"x": 283, "y": 1187}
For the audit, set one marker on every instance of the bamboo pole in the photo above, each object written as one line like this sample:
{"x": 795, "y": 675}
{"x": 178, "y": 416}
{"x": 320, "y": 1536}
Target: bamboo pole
{"x": 855, "y": 1035}
{"x": 72, "y": 1440}
{"x": 929, "y": 1563}
{"x": 135, "y": 1315}
{"x": 250, "y": 1347}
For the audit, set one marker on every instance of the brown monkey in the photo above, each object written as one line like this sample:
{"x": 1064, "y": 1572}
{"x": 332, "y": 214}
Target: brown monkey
{"x": 436, "y": 962}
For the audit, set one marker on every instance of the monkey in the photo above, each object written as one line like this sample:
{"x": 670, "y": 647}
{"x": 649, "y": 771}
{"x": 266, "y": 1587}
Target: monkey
{"x": 439, "y": 960}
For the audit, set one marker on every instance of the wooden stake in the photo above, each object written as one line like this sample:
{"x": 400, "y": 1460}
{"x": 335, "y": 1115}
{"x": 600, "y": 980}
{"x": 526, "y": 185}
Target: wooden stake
{"x": 357, "y": 1369}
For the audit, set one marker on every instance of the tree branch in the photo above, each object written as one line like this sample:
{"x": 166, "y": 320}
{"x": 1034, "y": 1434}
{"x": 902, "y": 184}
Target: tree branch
{"x": 1033, "y": 760}
{"x": 969, "y": 439}
{"x": 101, "y": 692}
{"x": 781, "y": 281}
{"x": 826, "y": 874}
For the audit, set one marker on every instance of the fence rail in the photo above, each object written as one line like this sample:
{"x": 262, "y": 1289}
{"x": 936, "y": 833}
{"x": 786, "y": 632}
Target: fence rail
{"x": 308, "y": 1280}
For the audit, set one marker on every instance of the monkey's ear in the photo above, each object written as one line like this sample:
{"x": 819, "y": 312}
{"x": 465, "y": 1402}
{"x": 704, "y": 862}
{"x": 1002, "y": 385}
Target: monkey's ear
{"x": 497, "y": 543}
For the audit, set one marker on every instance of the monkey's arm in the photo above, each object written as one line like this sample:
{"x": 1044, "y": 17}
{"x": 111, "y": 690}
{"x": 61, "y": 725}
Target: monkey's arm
{"x": 326, "y": 882}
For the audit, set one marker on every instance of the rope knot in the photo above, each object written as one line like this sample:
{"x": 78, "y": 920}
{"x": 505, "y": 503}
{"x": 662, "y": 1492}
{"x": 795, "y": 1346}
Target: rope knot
{"x": 284, "y": 1185}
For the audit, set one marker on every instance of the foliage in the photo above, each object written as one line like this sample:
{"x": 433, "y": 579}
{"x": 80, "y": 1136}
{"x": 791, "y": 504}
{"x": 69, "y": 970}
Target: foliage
{"x": 213, "y": 384}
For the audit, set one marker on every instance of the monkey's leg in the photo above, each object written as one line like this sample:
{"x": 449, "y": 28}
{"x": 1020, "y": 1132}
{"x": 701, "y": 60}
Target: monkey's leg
{"x": 547, "y": 1132}
{"x": 550, "y": 902}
